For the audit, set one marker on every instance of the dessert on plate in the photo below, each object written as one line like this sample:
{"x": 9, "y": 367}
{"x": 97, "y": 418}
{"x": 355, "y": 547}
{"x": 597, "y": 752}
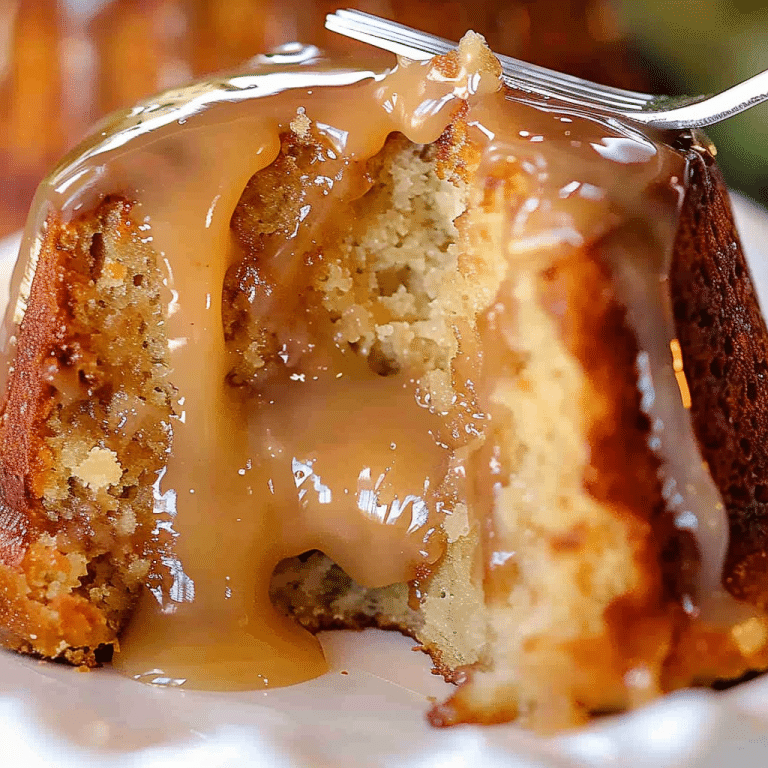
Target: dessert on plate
{"x": 320, "y": 346}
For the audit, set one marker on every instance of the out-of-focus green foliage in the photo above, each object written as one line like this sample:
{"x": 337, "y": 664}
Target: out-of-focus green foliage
{"x": 700, "y": 46}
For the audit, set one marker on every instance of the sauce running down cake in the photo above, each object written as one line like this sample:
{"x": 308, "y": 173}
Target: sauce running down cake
{"x": 318, "y": 346}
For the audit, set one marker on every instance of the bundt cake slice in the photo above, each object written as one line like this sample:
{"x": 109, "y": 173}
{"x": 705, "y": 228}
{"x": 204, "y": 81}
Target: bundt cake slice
{"x": 318, "y": 347}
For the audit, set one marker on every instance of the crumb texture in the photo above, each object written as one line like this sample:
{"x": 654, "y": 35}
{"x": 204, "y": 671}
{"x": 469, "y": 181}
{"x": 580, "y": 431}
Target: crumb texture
{"x": 100, "y": 434}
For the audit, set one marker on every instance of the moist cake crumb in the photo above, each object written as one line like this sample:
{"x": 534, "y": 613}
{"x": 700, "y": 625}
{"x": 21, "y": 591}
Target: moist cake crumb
{"x": 550, "y": 580}
{"x": 99, "y": 469}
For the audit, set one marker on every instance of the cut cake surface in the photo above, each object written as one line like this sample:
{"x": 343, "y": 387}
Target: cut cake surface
{"x": 559, "y": 580}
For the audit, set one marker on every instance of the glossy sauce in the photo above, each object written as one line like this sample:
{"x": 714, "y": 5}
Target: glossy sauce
{"x": 249, "y": 485}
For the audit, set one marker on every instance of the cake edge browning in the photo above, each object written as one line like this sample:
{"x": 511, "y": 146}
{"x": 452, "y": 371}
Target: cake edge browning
{"x": 724, "y": 345}
{"x": 29, "y": 626}
{"x": 76, "y": 517}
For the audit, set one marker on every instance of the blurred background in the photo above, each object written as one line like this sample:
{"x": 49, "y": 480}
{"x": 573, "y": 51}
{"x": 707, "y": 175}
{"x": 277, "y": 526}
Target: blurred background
{"x": 64, "y": 63}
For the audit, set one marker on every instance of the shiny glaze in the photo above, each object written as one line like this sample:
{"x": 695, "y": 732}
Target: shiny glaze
{"x": 247, "y": 486}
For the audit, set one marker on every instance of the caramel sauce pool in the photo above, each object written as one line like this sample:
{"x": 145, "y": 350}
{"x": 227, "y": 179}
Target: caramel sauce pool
{"x": 343, "y": 461}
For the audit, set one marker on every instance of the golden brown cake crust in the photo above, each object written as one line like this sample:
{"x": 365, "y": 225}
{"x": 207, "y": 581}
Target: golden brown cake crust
{"x": 26, "y": 404}
{"x": 74, "y": 520}
{"x": 725, "y": 352}
{"x": 30, "y": 625}
{"x": 724, "y": 345}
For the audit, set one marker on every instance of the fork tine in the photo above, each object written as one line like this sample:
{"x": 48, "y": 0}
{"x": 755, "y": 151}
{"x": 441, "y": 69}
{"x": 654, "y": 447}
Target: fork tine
{"x": 566, "y": 79}
{"x": 399, "y": 39}
{"x": 584, "y": 98}
{"x": 568, "y": 84}
{"x": 401, "y": 49}
{"x": 387, "y": 28}
{"x": 388, "y": 31}
{"x": 427, "y": 48}
{"x": 415, "y": 46}
{"x": 582, "y": 91}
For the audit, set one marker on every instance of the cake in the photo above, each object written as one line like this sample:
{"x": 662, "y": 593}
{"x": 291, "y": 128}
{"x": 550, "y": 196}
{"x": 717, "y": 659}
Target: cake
{"x": 321, "y": 346}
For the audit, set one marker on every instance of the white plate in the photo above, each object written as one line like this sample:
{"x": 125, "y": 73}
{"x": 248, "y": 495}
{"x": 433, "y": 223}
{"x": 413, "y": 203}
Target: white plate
{"x": 51, "y": 715}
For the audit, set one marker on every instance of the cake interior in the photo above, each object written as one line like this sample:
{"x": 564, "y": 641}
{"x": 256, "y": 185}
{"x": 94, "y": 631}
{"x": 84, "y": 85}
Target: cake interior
{"x": 403, "y": 277}
{"x": 425, "y": 283}
{"x": 400, "y": 290}
{"x": 102, "y": 433}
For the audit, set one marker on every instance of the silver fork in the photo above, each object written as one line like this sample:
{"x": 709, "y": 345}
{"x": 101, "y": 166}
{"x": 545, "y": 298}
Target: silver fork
{"x": 658, "y": 111}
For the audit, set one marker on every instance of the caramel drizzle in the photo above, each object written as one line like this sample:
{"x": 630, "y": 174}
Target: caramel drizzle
{"x": 185, "y": 158}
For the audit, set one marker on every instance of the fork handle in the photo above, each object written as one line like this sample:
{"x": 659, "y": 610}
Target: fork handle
{"x": 708, "y": 109}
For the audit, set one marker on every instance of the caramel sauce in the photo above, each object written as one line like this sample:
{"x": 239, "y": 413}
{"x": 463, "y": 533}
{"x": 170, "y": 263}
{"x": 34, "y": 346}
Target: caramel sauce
{"x": 337, "y": 458}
